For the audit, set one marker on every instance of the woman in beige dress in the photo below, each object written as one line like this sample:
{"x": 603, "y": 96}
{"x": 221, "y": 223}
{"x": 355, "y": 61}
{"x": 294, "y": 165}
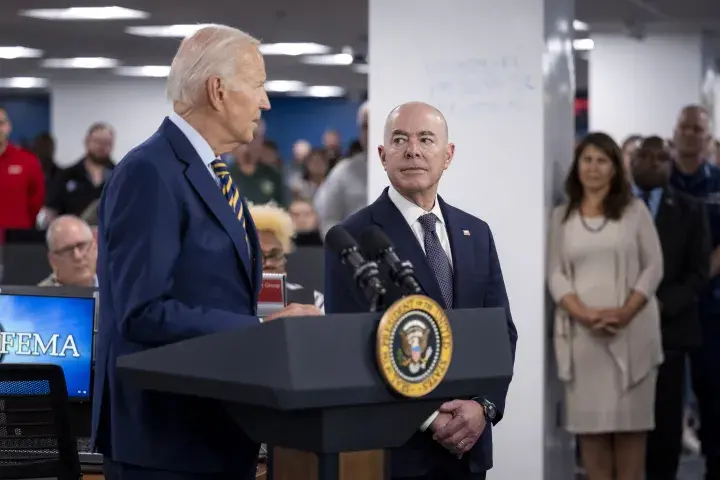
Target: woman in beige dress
{"x": 605, "y": 264}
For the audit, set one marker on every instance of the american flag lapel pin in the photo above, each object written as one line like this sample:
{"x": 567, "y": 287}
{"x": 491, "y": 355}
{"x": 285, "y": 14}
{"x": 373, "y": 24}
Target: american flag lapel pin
{"x": 466, "y": 233}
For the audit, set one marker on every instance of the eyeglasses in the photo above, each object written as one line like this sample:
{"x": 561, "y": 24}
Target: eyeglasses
{"x": 68, "y": 251}
{"x": 274, "y": 257}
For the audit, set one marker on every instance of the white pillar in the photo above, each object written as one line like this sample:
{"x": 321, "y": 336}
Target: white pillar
{"x": 640, "y": 86}
{"x": 134, "y": 107}
{"x": 501, "y": 72}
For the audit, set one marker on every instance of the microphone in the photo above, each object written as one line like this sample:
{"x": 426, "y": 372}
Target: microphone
{"x": 365, "y": 273}
{"x": 379, "y": 247}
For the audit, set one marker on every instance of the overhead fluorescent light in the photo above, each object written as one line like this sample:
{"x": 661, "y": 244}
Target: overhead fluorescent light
{"x": 80, "y": 62}
{"x": 293, "y": 49}
{"x": 11, "y": 53}
{"x": 361, "y": 68}
{"x": 583, "y": 44}
{"x": 580, "y": 26}
{"x": 280, "y": 86}
{"x": 334, "y": 59}
{"x": 323, "y": 91}
{"x": 23, "y": 82}
{"x": 158, "y": 71}
{"x": 165, "y": 31}
{"x": 85, "y": 13}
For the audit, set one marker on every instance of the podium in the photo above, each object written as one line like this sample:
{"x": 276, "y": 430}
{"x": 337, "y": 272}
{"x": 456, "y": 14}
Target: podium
{"x": 312, "y": 384}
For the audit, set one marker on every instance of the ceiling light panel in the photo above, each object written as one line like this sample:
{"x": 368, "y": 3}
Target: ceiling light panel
{"x": 583, "y": 44}
{"x": 23, "y": 82}
{"x": 155, "y": 71}
{"x": 164, "y": 31}
{"x": 580, "y": 26}
{"x": 11, "y": 53}
{"x": 284, "y": 86}
{"x": 323, "y": 91}
{"x": 85, "y": 13}
{"x": 81, "y": 62}
{"x": 336, "y": 59}
{"x": 293, "y": 49}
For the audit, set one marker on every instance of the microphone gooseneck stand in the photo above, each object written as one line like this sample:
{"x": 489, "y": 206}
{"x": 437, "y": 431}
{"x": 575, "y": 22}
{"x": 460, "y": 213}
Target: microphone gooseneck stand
{"x": 367, "y": 279}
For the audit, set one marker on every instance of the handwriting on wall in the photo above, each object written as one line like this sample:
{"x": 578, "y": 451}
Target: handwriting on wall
{"x": 503, "y": 83}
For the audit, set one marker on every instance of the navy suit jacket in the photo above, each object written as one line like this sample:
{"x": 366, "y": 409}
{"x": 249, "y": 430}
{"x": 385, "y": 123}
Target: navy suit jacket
{"x": 478, "y": 283}
{"x": 173, "y": 264}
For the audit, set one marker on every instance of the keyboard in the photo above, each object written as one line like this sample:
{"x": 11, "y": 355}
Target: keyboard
{"x": 86, "y": 456}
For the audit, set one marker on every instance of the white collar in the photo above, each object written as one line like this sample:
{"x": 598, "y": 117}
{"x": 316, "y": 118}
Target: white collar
{"x": 201, "y": 146}
{"x": 410, "y": 211}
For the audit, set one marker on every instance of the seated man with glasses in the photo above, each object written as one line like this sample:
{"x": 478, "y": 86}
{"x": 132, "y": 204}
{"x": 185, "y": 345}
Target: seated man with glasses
{"x": 72, "y": 253}
{"x": 276, "y": 232}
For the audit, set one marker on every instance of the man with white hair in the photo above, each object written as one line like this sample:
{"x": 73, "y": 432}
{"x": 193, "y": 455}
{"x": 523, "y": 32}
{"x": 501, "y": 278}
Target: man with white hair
{"x": 180, "y": 258}
{"x": 72, "y": 253}
{"x": 344, "y": 192}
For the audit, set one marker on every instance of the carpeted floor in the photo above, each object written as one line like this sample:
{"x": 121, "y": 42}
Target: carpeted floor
{"x": 691, "y": 468}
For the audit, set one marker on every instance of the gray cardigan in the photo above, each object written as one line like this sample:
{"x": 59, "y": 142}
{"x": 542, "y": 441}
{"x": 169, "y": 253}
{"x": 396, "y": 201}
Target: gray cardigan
{"x": 640, "y": 268}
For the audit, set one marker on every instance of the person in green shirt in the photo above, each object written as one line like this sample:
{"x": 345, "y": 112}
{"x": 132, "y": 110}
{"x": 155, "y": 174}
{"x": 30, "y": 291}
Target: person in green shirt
{"x": 257, "y": 182}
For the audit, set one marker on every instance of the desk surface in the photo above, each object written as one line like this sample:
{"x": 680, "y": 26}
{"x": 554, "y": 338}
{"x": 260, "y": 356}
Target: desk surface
{"x": 261, "y": 475}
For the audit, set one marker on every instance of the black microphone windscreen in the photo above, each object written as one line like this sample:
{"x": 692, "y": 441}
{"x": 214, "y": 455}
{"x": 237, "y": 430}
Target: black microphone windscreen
{"x": 374, "y": 241}
{"x": 338, "y": 239}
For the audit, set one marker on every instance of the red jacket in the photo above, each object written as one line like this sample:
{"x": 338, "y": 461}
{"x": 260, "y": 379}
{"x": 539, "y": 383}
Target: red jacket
{"x": 22, "y": 188}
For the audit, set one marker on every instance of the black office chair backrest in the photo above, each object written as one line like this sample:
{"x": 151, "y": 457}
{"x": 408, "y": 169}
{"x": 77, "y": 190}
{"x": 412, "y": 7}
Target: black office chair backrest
{"x": 36, "y": 440}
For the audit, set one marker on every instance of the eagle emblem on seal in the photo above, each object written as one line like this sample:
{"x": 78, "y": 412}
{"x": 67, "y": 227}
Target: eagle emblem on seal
{"x": 414, "y": 352}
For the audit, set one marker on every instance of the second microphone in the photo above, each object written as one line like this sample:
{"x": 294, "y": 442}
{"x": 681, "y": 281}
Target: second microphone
{"x": 378, "y": 247}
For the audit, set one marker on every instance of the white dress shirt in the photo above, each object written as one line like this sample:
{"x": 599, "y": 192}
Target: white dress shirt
{"x": 201, "y": 146}
{"x": 412, "y": 213}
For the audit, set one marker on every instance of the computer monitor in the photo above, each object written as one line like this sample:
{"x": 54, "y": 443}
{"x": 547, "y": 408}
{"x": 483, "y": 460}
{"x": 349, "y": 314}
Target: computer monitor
{"x": 51, "y": 325}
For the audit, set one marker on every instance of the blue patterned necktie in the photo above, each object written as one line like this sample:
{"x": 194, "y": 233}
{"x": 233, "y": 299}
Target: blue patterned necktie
{"x": 231, "y": 193}
{"x": 437, "y": 258}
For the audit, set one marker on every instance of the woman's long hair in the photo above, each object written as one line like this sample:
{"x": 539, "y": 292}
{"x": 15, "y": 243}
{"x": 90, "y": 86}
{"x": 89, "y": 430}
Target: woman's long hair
{"x": 619, "y": 195}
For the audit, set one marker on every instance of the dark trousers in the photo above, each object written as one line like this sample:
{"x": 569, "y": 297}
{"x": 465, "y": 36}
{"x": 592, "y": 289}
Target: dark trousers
{"x": 664, "y": 444}
{"x": 704, "y": 368}
{"x": 122, "y": 471}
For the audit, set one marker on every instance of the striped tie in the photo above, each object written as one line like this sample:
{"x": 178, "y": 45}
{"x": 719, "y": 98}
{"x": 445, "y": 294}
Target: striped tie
{"x": 230, "y": 192}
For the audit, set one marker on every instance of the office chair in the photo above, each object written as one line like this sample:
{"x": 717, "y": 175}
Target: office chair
{"x": 35, "y": 434}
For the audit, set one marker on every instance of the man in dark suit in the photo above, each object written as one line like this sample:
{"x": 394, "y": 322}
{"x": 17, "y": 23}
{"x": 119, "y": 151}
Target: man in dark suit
{"x": 685, "y": 238}
{"x": 455, "y": 263}
{"x": 179, "y": 258}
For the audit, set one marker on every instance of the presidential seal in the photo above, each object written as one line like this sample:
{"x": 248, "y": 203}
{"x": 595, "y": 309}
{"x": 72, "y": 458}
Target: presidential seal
{"x": 414, "y": 345}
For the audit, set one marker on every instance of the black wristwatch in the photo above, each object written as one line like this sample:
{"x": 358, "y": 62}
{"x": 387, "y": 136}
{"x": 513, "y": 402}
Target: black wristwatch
{"x": 488, "y": 407}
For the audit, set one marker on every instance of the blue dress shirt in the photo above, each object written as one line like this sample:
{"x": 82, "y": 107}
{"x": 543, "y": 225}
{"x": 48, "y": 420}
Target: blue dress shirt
{"x": 653, "y": 202}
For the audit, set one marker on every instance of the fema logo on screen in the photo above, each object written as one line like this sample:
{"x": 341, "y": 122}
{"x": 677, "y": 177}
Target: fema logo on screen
{"x": 33, "y": 344}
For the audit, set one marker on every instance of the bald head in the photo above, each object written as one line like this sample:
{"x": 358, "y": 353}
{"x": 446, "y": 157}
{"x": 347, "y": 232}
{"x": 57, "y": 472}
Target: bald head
{"x": 694, "y": 110}
{"x": 416, "y": 151}
{"x": 692, "y": 133}
{"x": 67, "y": 227}
{"x": 411, "y": 110}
